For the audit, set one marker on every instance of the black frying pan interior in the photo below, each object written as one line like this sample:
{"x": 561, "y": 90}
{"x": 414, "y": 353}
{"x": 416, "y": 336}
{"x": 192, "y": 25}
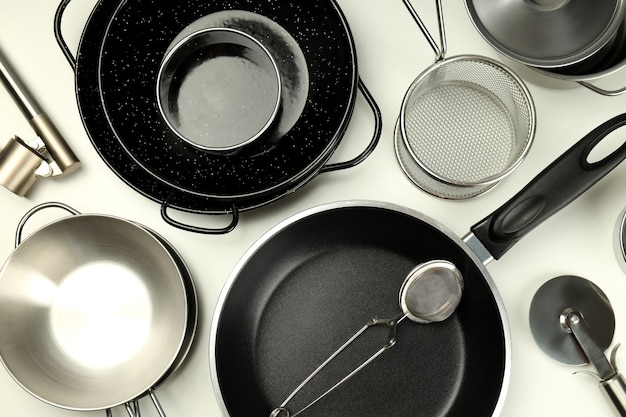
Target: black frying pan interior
{"x": 312, "y": 285}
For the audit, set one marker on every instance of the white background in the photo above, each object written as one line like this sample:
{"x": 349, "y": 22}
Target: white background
{"x": 391, "y": 53}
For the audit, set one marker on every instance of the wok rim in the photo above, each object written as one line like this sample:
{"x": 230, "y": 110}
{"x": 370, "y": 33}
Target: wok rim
{"x": 160, "y": 376}
{"x": 283, "y": 225}
{"x": 193, "y": 309}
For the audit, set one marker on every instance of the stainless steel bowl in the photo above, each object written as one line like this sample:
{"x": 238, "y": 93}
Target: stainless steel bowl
{"x": 94, "y": 312}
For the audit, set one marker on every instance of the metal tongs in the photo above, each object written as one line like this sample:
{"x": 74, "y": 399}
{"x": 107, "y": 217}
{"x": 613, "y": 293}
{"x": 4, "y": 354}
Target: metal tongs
{"x": 48, "y": 155}
{"x": 430, "y": 293}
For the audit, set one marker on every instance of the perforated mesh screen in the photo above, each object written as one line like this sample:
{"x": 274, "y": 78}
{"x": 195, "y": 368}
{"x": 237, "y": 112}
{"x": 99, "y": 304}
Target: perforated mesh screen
{"x": 467, "y": 122}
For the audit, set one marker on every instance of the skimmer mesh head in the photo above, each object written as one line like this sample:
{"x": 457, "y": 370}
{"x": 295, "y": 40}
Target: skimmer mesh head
{"x": 431, "y": 292}
{"x": 466, "y": 122}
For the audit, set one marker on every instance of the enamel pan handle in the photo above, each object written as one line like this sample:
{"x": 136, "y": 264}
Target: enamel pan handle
{"x": 555, "y": 187}
{"x": 378, "y": 123}
{"x": 58, "y": 17}
{"x": 195, "y": 229}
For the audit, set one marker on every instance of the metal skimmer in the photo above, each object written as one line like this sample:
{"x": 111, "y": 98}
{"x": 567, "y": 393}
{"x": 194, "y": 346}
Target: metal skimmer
{"x": 466, "y": 122}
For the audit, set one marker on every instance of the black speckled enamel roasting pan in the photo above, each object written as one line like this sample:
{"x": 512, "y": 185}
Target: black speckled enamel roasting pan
{"x": 116, "y": 68}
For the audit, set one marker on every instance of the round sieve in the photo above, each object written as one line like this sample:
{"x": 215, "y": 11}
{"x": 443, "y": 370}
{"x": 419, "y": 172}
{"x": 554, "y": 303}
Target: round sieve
{"x": 465, "y": 123}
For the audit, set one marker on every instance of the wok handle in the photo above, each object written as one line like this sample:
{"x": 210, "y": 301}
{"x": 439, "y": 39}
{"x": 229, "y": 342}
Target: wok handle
{"x": 375, "y": 138}
{"x": 58, "y": 34}
{"x": 555, "y": 187}
{"x": 32, "y": 211}
{"x": 195, "y": 229}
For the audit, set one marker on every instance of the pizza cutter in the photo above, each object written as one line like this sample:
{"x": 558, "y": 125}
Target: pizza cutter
{"x": 573, "y": 322}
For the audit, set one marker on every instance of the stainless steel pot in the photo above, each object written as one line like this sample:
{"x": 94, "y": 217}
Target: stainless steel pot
{"x": 548, "y": 33}
{"x": 97, "y": 311}
{"x": 613, "y": 61}
{"x": 573, "y": 40}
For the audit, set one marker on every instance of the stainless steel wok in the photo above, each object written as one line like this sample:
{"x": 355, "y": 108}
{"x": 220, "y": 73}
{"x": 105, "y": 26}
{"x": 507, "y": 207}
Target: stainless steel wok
{"x": 95, "y": 311}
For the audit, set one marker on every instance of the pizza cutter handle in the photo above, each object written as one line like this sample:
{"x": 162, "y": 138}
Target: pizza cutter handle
{"x": 556, "y": 186}
{"x": 611, "y": 381}
{"x": 615, "y": 390}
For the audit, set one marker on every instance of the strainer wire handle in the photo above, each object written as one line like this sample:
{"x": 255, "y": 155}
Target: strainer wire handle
{"x": 440, "y": 50}
{"x": 282, "y": 411}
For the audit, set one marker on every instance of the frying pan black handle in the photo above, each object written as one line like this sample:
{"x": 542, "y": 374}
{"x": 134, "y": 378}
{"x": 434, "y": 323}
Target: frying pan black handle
{"x": 378, "y": 125}
{"x": 59, "y": 35}
{"x": 195, "y": 229}
{"x": 555, "y": 187}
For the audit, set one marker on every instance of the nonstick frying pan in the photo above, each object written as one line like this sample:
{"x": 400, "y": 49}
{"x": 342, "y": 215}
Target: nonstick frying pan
{"x": 310, "y": 282}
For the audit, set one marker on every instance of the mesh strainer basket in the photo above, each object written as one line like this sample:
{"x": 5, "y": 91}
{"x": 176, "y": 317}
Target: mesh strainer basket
{"x": 466, "y": 122}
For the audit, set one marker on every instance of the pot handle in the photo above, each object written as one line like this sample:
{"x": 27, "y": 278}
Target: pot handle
{"x": 196, "y": 229}
{"x": 58, "y": 34}
{"x": 555, "y": 187}
{"x": 602, "y": 91}
{"x": 378, "y": 123}
{"x": 32, "y": 211}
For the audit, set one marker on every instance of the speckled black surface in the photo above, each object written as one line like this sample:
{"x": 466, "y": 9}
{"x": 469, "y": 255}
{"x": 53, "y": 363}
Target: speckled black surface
{"x": 117, "y": 63}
